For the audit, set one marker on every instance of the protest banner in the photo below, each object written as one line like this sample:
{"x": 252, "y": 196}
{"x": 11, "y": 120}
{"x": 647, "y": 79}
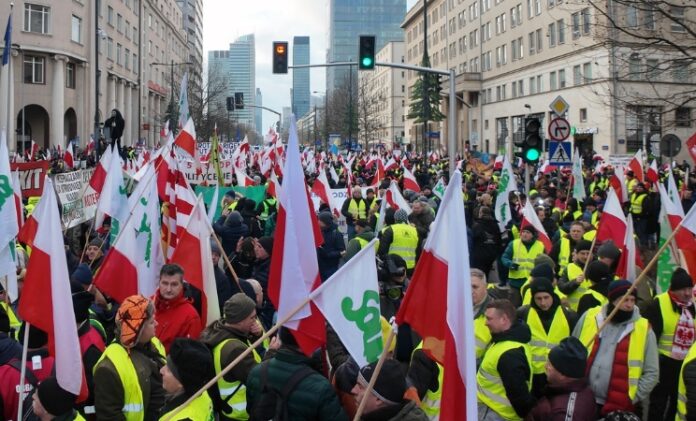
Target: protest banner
{"x": 255, "y": 193}
{"x": 31, "y": 176}
{"x": 78, "y": 200}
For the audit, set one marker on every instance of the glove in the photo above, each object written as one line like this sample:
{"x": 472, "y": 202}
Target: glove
{"x": 514, "y": 266}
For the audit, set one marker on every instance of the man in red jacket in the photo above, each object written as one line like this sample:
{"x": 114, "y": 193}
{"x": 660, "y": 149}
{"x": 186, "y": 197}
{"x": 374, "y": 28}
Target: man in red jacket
{"x": 176, "y": 317}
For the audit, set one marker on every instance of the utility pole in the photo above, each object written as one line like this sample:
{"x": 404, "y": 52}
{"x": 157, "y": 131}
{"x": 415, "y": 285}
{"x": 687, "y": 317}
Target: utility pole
{"x": 426, "y": 87}
{"x": 350, "y": 106}
{"x": 97, "y": 77}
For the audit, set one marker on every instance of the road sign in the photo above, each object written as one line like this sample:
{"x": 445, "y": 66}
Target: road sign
{"x": 670, "y": 145}
{"x": 559, "y": 154}
{"x": 559, "y": 105}
{"x": 559, "y": 129}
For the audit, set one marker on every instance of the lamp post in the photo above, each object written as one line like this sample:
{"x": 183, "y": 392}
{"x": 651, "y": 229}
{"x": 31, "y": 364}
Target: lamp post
{"x": 326, "y": 120}
{"x": 171, "y": 75}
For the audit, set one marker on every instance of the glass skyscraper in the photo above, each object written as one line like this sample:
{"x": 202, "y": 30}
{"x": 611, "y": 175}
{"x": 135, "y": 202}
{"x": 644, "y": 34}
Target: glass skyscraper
{"x": 300, "y": 77}
{"x": 351, "y": 18}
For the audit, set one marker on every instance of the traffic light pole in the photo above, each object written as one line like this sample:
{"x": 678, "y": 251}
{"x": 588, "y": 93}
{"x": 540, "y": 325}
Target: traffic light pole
{"x": 451, "y": 118}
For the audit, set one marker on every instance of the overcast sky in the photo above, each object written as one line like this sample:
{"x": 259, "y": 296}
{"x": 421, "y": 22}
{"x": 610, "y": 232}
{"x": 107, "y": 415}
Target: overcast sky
{"x": 271, "y": 20}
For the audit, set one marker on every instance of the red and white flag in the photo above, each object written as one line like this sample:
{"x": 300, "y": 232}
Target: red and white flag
{"x": 193, "y": 254}
{"x": 113, "y": 200}
{"x": 391, "y": 164}
{"x": 691, "y": 146}
{"x": 636, "y": 165}
{"x": 395, "y": 199}
{"x": 46, "y": 299}
{"x": 273, "y": 185}
{"x": 652, "y": 175}
{"x": 322, "y": 188}
{"x": 630, "y": 258}
{"x": 99, "y": 175}
{"x": 91, "y": 145}
{"x": 186, "y": 139}
{"x": 118, "y": 274}
{"x": 530, "y": 217}
{"x": 612, "y": 224}
{"x": 438, "y": 306}
{"x": 618, "y": 183}
{"x": 410, "y": 182}
{"x": 675, "y": 214}
{"x": 689, "y": 221}
{"x": 294, "y": 269}
{"x": 243, "y": 180}
{"x": 69, "y": 156}
{"x": 19, "y": 204}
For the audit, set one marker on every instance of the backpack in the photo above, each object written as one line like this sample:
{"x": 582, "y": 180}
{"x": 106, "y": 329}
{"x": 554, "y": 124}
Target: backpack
{"x": 273, "y": 404}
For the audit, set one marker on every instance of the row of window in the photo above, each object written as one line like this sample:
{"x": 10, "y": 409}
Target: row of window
{"x": 652, "y": 69}
{"x": 34, "y": 71}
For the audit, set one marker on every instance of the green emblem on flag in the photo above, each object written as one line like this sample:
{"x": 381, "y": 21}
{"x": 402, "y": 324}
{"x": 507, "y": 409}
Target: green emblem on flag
{"x": 366, "y": 318}
{"x": 5, "y": 190}
{"x": 145, "y": 227}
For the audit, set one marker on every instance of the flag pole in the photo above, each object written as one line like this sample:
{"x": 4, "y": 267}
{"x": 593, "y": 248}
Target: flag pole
{"x": 23, "y": 370}
{"x": 589, "y": 258}
{"x": 9, "y": 81}
{"x": 375, "y": 373}
{"x": 84, "y": 249}
{"x": 227, "y": 260}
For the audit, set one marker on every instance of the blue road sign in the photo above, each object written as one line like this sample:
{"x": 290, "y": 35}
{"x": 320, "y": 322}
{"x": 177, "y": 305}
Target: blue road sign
{"x": 560, "y": 153}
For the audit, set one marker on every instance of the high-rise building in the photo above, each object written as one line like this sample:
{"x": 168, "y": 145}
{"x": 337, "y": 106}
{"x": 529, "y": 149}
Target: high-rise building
{"x": 192, "y": 17}
{"x": 300, "y": 77}
{"x": 258, "y": 112}
{"x": 348, "y": 19}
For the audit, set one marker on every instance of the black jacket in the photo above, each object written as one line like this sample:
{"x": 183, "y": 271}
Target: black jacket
{"x": 329, "y": 253}
{"x": 229, "y": 234}
{"x": 9, "y": 349}
{"x": 587, "y": 301}
{"x": 513, "y": 366}
{"x": 487, "y": 244}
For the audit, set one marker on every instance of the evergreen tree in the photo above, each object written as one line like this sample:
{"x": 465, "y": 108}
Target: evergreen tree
{"x": 425, "y": 100}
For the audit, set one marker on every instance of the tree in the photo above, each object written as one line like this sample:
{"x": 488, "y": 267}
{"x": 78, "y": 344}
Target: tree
{"x": 341, "y": 111}
{"x": 425, "y": 100}
{"x": 368, "y": 114}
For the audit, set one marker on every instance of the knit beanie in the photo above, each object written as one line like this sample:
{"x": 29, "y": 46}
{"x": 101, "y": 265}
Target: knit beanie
{"x": 191, "y": 363}
{"x": 390, "y": 385}
{"x": 267, "y": 244}
{"x": 55, "y": 400}
{"x": 582, "y": 245}
{"x": 238, "y": 308}
{"x": 542, "y": 271}
{"x": 569, "y": 357}
{"x": 530, "y": 229}
{"x": 130, "y": 318}
{"x": 598, "y": 272}
{"x": 82, "y": 274}
{"x": 544, "y": 259}
{"x": 401, "y": 215}
{"x": 619, "y": 288}
{"x": 609, "y": 250}
{"x": 234, "y": 219}
{"x": 680, "y": 280}
{"x": 214, "y": 248}
{"x": 541, "y": 285}
{"x": 326, "y": 218}
{"x": 37, "y": 337}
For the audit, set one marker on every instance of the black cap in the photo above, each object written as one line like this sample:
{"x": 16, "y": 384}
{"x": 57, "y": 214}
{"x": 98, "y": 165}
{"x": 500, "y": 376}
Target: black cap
{"x": 391, "y": 382}
{"x": 191, "y": 363}
{"x": 680, "y": 279}
{"x": 569, "y": 357}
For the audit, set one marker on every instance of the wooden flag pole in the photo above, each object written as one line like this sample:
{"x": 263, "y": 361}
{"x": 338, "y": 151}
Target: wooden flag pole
{"x": 227, "y": 261}
{"x": 375, "y": 373}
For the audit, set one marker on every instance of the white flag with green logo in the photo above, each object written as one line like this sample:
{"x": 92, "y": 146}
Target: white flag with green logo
{"x": 506, "y": 185}
{"x": 349, "y": 301}
{"x": 578, "y": 181}
{"x": 439, "y": 188}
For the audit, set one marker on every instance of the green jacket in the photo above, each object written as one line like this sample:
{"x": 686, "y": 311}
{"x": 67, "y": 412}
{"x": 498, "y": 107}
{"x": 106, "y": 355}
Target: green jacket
{"x": 406, "y": 411}
{"x": 313, "y": 398}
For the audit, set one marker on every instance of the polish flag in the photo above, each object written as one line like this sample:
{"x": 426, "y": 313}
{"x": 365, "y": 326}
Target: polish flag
{"x": 636, "y": 165}
{"x": 273, "y": 185}
{"x": 675, "y": 215}
{"x": 243, "y": 180}
{"x": 294, "y": 269}
{"x": 612, "y": 224}
{"x": 113, "y": 200}
{"x": 652, "y": 174}
{"x": 689, "y": 221}
{"x": 630, "y": 258}
{"x": 529, "y": 217}
{"x": 410, "y": 182}
{"x": 118, "y": 273}
{"x": 193, "y": 254}
{"x": 321, "y": 187}
{"x": 438, "y": 306}
{"x": 391, "y": 164}
{"x": 69, "y": 157}
{"x": 395, "y": 199}
{"x": 28, "y": 231}
{"x": 498, "y": 163}
{"x": 186, "y": 139}
{"x": 46, "y": 299}
{"x": 91, "y": 145}
{"x": 99, "y": 175}
{"x": 618, "y": 183}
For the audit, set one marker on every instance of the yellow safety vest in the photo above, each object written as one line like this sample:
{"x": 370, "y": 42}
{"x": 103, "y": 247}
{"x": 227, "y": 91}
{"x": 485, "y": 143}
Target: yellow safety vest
{"x": 590, "y": 235}
{"x": 599, "y": 297}
{"x": 267, "y": 204}
{"x": 201, "y": 409}
{"x": 357, "y": 209}
{"x": 636, "y": 346}
{"x": 133, "y": 409}
{"x": 490, "y": 387}
{"x": 363, "y": 242}
{"x": 238, "y": 402}
{"x": 405, "y": 243}
{"x": 15, "y": 324}
{"x": 482, "y": 335}
{"x": 637, "y": 203}
{"x": 232, "y": 206}
{"x": 430, "y": 404}
{"x": 542, "y": 342}
{"x": 681, "y": 395}
{"x": 524, "y": 258}
{"x": 574, "y": 297}
{"x": 670, "y": 319}
{"x": 563, "y": 254}
{"x": 630, "y": 184}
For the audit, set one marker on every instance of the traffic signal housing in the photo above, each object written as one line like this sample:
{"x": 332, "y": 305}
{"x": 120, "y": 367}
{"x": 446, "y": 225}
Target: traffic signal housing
{"x": 280, "y": 57}
{"x": 531, "y": 148}
{"x": 366, "y": 54}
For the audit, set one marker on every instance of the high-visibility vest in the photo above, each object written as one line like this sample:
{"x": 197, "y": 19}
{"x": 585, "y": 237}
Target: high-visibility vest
{"x": 232, "y": 206}
{"x": 524, "y": 258}
{"x": 589, "y": 235}
{"x": 637, "y": 203}
{"x": 670, "y": 319}
{"x": 636, "y": 345}
{"x": 200, "y": 409}
{"x": 631, "y": 184}
{"x": 267, "y": 204}
{"x": 563, "y": 254}
{"x": 430, "y": 404}
{"x": 133, "y": 409}
{"x": 15, "y": 324}
{"x": 238, "y": 402}
{"x": 597, "y": 296}
{"x": 363, "y": 242}
{"x": 482, "y": 336}
{"x": 490, "y": 387}
{"x": 358, "y": 209}
{"x": 405, "y": 243}
{"x": 542, "y": 342}
{"x": 681, "y": 391}
{"x": 574, "y": 297}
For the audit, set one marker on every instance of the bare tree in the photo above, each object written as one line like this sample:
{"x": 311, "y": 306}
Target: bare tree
{"x": 368, "y": 114}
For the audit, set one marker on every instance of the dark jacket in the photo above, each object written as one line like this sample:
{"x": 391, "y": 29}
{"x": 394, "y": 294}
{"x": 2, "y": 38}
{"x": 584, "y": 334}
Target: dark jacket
{"x": 487, "y": 242}
{"x": 407, "y": 410}
{"x": 329, "y": 253}
{"x": 223, "y": 285}
{"x": 230, "y": 232}
{"x": 313, "y": 398}
{"x": 218, "y": 332}
{"x": 354, "y": 246}
{"x": 553, "y": 406}
{"x": 9, "y": 349}
{"x": 689, "y": 373}
{"x": 422, "y": 222}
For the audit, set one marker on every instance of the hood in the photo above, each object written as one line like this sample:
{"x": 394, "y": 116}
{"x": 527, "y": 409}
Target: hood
{"x": 367, "y": 234}
{"x": 518, "y": 332}
{"x": 218, "y": 332}
{"x": 234, "y": 219}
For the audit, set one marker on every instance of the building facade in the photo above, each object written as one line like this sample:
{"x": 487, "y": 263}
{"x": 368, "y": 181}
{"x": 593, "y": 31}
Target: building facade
{"x": 192, "y": 22}
{"x": 382, "y": 100}
{"x": 300, "y": 77}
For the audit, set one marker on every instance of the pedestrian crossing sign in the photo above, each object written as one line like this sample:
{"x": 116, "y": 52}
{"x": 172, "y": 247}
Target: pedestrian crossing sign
{"x": 559, "y": 154}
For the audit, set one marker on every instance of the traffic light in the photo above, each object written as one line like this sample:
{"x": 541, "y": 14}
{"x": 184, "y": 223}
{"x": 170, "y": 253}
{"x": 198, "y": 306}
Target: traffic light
{"x": 366, "y": 56}
{"x": 280, "y": 57}
{"x": 230, "y": 104}
{"x": 239, "y": 100}
{"x": 531, "y": 149}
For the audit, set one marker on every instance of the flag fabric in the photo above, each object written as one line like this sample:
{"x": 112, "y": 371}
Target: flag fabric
{"x": 669, "y": 259}
{"x": 689, "y": 221}
{"x": 273, "y": 185}
{"x": 243, "y": 179}
{"x": 438, "y": 305}
{"x": 215, "y": 158}
{"x": 626, "y": 269}
{"x": 578, "y": 180}
{"x": 118, "y": 274}
{"x": 673, "y": 213}
{"x": 691, "y": 146}
{"x": 69, "y": 157}
{"x": 410, "y": 182}
{"x": 113, "y": 199}
{"x": 46, "y": 299}
{"x": 99, "y": 175}
{"x": 652, "y": 175}
{"x": 193, "y": 253}
{"x": 382, "y": 211}
{"x": 321, "y": 187}
{"x": 8, "y": 42}
{"x": 636, "y": 165}
{"x": 618, "y": 183}
{"x": 9, "y": 221}
{"x": 349, "y": 300}
{"x": 506, "y": 185}
{"x": 530, "y": 217}
{"x": 19, "y": 205}
{"x": 395, "y": 199}
{"x": 439, "y": 188}
{"x": 90, "y": 145}
{"x": 183, "y": 102}
{"x": 294, "y": 269}
{"x": 214, "y": 203}
{"x": 612, "y": 224}
{"x": 186, "y": 139}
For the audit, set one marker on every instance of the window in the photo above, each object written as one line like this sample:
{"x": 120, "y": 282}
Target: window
{"x": 552, "y": 81}
{"x": 532, "y": 85}
{"x": 561, "y": 79}
{"x": 128, "y": 29}
{"x": 530, "y": 11}
{"x": 585, "y": 20}
{"x": 680, "y": 71}
{"x": 497, "y": 93}
{"x": 652, "y": 67}
{"x": 583, "y": 115}
{"x": 110, "y": 15}
{"x": 514, "y": 89}
{"x": 575, "y": 24}
{"x": 552, "y": 35}
{"x": 641, "y": 122}
{"x": 110, "y": 48}
{"x": 682, "y": 117}
{"x": 577, "y": 75}
{"x": 76, "y": 29}
{"x": 118, "y": 53}
{"x": 560, "y": 24}
{"x": 587, "y": 72}
{"x": 149, "y": 47}
{"x": 540, "y": 86}
{"x": 537, "y": 7}
{"x": 520, "y": 88}
{"x": 34, "y": 68}
{"x": 633, "y": 68}
{"x": 70, "y": 75}
{"x": 126, "y": 58}
{"x": 36, "y": 18}
{"x": 539, "y": 40}
{"x": 135, "y": 63}
{"x": 649, "y": 16}
{"x": 631, "y": 15}
{"x": 119, "y": 23}
{"x": 677, "y": 13}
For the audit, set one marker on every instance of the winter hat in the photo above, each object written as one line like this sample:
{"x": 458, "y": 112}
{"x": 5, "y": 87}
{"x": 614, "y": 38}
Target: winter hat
{"x": 238, "y": 308}
{"x": 326, "y": 218}
{"x": 55, "y": 400}
{"x": 130, "y": 318}
{"x": 598, "y": 272}
{"x": 618, "y": 289}
{"x": 267, "y": 244}
{"x": 391, "y": 382}
{"x": 582, "y": 245}
{"x": 529, "y": 229}
{"x": 234, "y": 219}
{"x": 82, "y": 274}
{"x": 81, "y": 300}
{"x": 401, "y": 216}
{"x": 214, "y": 248}
{"x": 97, "y": 242}
{"x": 191, "y": 363}
{"x": 542, "y": 271}
{"x": 37, "y": 337}
{"x": 541, "y": 285}
{"x": 609, "y": 250}
{"x": 680, "y": 279}
{"x": 544, "y": 259}
{"x": 4, "y": 321}
{"x": 362, "y": 223}
{"x": 569, "y": 357}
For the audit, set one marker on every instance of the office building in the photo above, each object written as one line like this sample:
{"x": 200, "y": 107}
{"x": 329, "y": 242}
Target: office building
{"x": 300, "y": 77}
{"x": 192, "y": 23}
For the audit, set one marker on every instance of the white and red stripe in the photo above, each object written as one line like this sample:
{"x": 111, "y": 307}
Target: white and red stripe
{"x": 530, "y": 217}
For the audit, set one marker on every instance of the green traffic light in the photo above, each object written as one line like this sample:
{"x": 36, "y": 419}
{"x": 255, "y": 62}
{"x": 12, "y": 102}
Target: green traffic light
{"x": 366, "y": 62}
{"x": 532, "y": 155}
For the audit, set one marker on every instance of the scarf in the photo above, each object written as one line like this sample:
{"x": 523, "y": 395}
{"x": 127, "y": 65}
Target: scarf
{"x": 684, "y": 332}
